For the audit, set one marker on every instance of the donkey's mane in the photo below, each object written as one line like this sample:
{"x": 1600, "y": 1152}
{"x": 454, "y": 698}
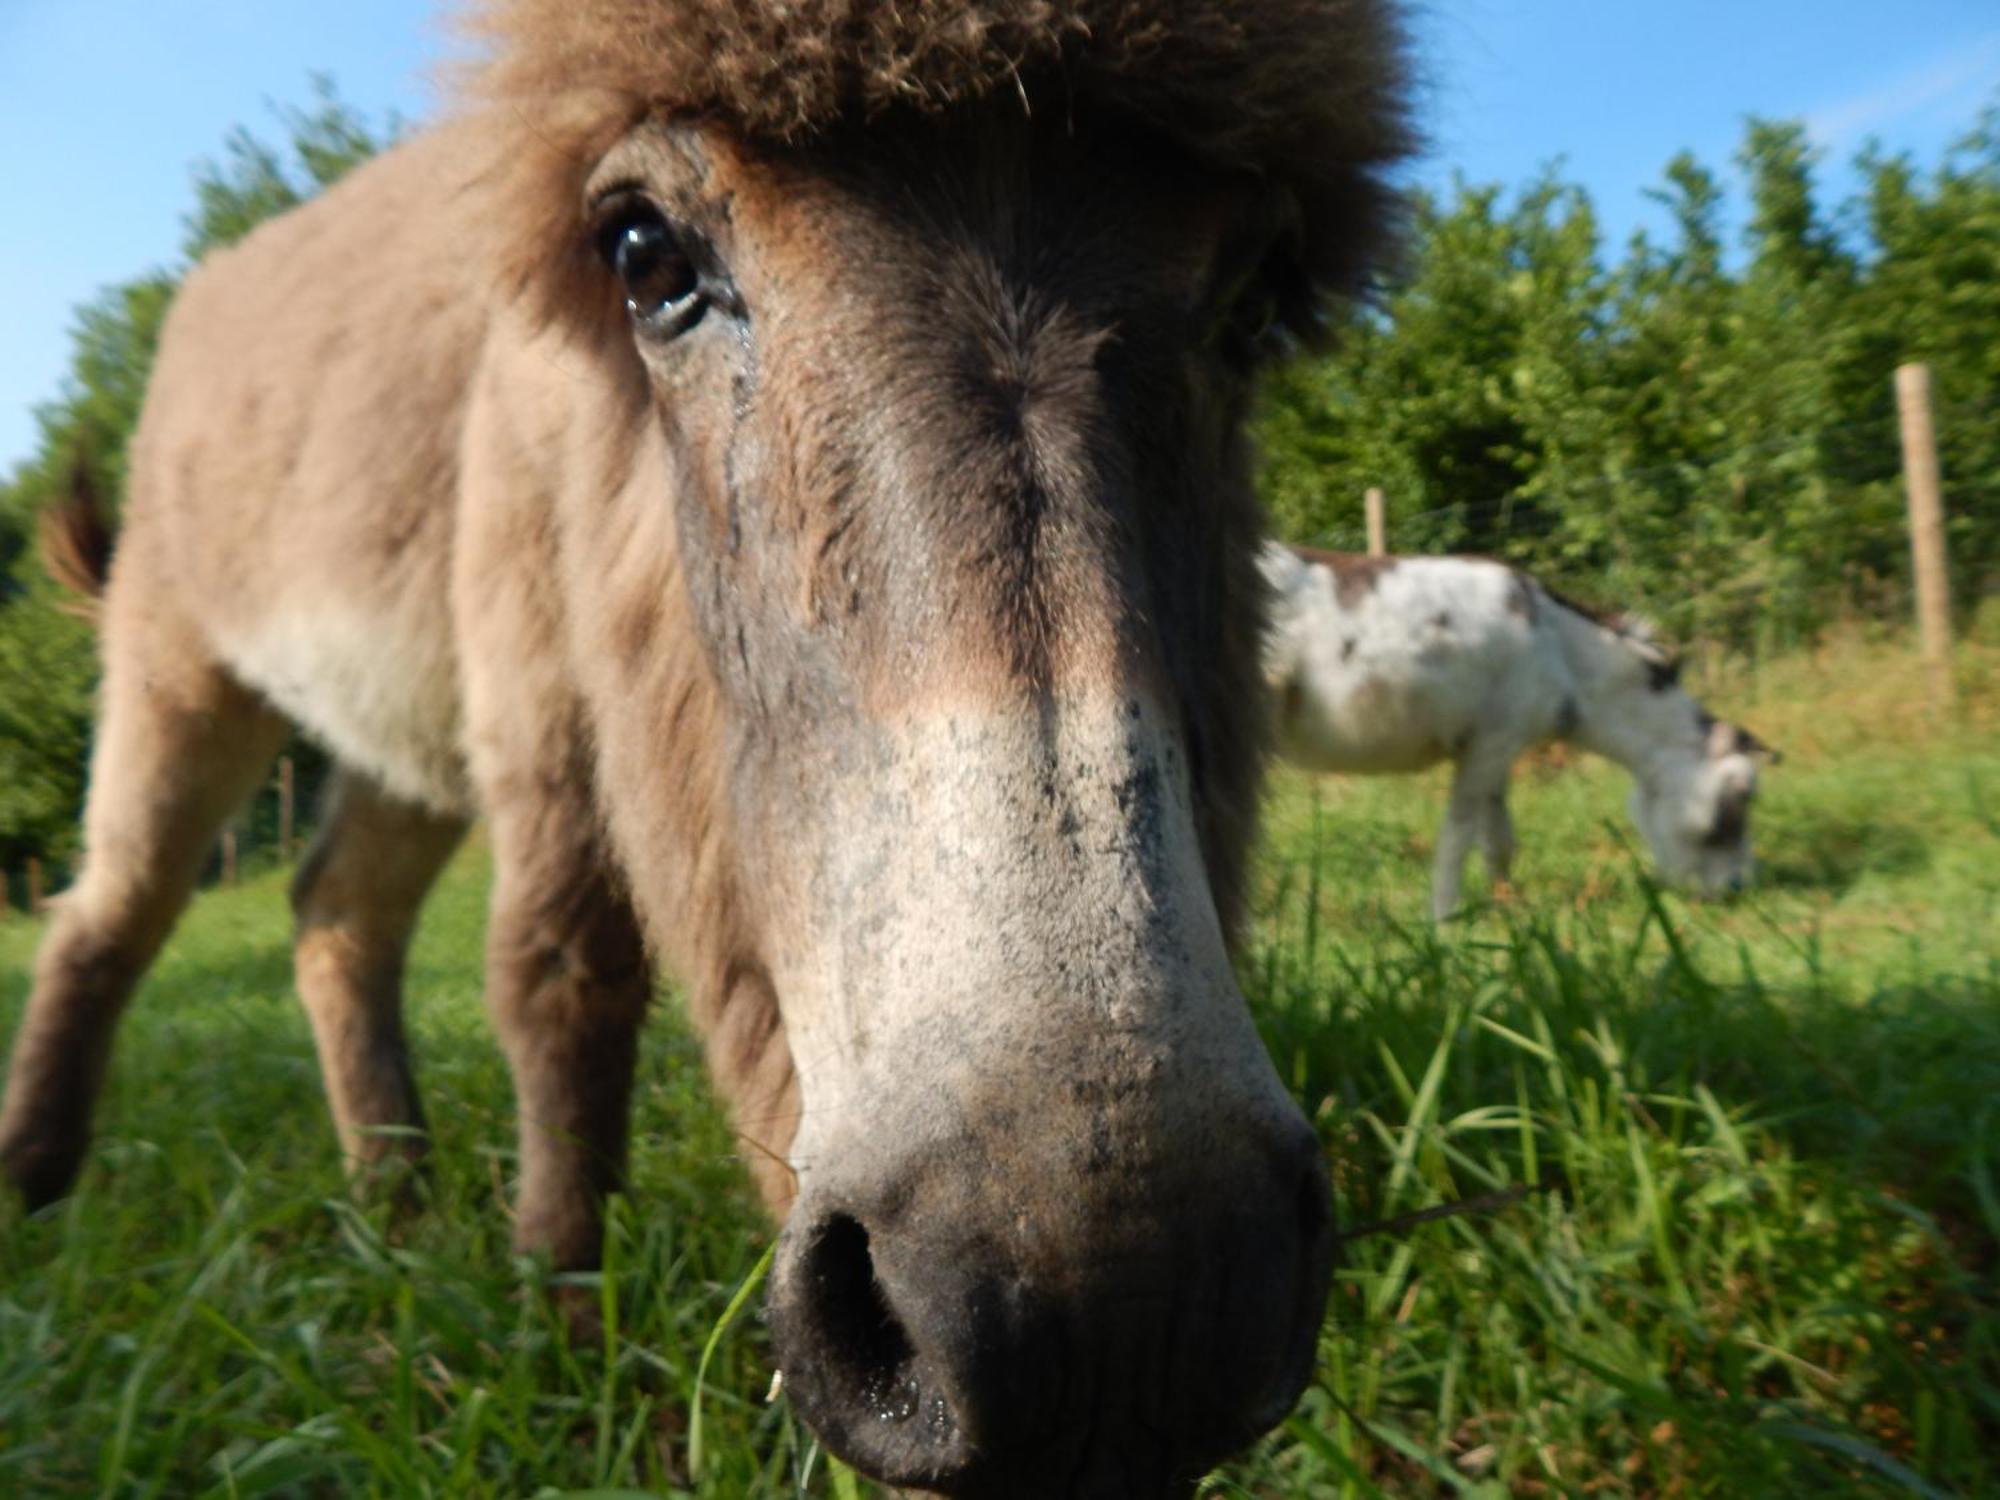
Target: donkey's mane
{"x": 1306, "y": 93}
{"x": 1635, "y": 631}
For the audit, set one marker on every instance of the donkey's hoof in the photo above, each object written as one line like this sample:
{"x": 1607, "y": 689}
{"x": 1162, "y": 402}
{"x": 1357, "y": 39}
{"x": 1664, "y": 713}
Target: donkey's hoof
{"x": 397, "y": 1174}
{"x": 42, "y": 1171}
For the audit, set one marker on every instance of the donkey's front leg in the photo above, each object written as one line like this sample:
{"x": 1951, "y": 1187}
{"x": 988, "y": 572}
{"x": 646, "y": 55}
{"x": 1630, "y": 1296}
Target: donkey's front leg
{"x": 1496, "y": 841}
{"x": 357, "y": 895}
{"x": 568, "y": 982}
{"x": 1477, "y": 814}
{"x": 1448, "y": 867}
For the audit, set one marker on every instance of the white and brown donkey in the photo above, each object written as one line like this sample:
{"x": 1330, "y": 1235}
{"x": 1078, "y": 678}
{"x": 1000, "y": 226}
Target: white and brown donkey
{"x": 780, "y": 462}
{"x": 1395, "y": 664}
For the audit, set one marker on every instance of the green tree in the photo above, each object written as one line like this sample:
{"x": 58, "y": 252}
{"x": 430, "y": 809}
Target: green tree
{"x": 1708, "y": 436}
{"x": 1934, "y": 295}
{"x": 1434, "y": 395}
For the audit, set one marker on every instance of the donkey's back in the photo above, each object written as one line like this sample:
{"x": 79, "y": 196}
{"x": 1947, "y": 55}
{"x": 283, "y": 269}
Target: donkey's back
{"x": 285, "y": 558}
{"x": 1384, "y": 664}
{"x": 1395, "y": 664}
{"x": 295, "y": 471}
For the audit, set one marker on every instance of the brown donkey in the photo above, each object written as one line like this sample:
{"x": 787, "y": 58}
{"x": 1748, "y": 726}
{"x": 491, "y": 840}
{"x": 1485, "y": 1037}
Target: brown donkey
{"x": 781, "y": 464}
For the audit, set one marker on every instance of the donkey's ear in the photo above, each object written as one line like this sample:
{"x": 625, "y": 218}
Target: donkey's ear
{"x": 1748, "y": 744}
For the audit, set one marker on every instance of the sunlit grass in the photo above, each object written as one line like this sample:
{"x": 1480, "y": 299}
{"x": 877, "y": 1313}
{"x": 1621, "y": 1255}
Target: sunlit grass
{"x": 1763, "y": 1263}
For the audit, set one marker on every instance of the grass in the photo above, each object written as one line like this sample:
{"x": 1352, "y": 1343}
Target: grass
{"x": 1764, "y": 1263}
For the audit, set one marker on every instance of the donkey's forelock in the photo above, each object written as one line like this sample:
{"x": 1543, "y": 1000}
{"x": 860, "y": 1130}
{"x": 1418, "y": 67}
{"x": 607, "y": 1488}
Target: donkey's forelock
{"x": 1313, "y": 87}
{"x": 1307, "y": 94}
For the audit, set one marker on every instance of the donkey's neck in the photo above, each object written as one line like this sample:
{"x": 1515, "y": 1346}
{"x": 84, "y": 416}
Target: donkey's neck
{"x": 1617, "y": 716}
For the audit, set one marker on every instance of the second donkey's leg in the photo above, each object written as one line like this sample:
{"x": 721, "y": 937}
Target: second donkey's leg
{"x": 1478, "y": 786}
{"x": 357, "y": 896}
{"x": 1497, "y": 840}
{"x": 568, "y": 983}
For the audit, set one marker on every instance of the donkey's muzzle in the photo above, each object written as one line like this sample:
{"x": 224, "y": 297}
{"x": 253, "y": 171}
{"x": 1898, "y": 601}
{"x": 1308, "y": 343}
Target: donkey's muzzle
{"x": 1067, "y": 1340}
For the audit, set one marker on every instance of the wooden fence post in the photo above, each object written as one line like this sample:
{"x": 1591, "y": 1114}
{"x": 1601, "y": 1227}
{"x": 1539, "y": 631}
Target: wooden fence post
{"x": 229, "y": 856}
{"x": 285, "y": 794}
{"x": 34, "y": 886}
{"x": 1926, "y": 498}
{"x": 1378, "y": 525}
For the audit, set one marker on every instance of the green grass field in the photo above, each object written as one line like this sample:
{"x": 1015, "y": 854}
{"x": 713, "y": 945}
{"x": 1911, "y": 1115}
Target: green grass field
{"x": 1767, "y": 1262}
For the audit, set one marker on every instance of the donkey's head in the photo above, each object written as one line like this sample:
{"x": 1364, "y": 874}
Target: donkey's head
{"x": 930, "y": 337}
{"x": 1694, "y": 807}
{"x": 1696, "y": 776}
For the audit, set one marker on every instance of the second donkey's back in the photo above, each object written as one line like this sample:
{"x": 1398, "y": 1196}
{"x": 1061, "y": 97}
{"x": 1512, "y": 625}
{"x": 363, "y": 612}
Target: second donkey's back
{"x": 1384, "y": 664}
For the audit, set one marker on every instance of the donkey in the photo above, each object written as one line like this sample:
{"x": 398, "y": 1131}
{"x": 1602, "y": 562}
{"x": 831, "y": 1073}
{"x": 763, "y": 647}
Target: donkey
{"x": 782, "y": 465}
{"x": 1393, "y": 664}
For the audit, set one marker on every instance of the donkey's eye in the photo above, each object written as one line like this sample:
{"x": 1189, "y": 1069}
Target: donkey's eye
{"x": 663, "y": 289}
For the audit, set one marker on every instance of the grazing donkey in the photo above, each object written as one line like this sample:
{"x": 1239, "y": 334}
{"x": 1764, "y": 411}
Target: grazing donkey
{"x": 1388, "y": 664}
{"x": 781, "y": 464}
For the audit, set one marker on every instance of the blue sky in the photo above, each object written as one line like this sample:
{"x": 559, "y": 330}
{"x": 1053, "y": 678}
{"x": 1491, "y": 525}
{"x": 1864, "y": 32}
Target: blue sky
{"x": 105, "y": 105}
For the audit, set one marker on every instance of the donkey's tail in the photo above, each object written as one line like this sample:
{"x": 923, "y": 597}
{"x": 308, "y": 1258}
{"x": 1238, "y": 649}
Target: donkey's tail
{"x": 76, "y": 538}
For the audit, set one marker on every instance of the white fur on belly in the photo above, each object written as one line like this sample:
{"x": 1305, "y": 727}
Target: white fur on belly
{"x": 381, "y": 695}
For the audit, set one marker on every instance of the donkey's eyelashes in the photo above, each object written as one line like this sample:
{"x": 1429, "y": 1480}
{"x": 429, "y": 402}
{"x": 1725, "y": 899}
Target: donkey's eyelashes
{"x": 663, "y": 283}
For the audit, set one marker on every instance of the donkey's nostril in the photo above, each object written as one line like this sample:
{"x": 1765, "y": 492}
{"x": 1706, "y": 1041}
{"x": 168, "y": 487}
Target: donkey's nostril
{"x": 855, "y": 1325}
{"x": 856, "y": 1369}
